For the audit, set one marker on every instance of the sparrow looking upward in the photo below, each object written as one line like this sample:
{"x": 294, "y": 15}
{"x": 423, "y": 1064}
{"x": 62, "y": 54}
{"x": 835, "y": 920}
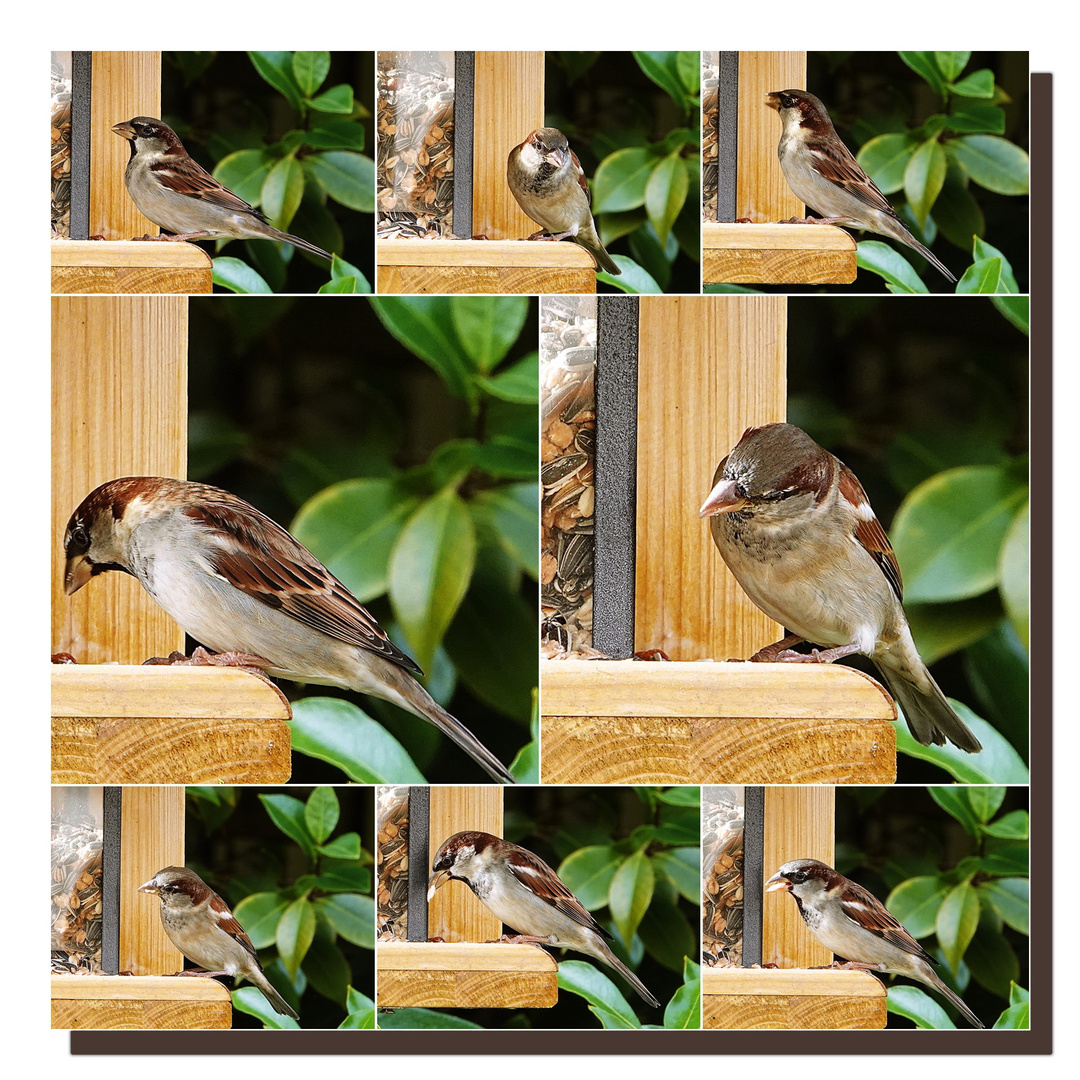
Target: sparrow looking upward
{"x": 177, "y": 193}
{"x": 824, "y": 174}
{"x": 549, "y": 184}
{"x": 796, "y": 529}
{"x": 851, "y": 922}
{"x": 239, "y": 583}
{"x": 519, "y": 888}
{"x": 200, "y": 924}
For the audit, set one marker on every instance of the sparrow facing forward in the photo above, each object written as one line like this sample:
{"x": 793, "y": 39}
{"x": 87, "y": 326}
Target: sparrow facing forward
{"x": 796, "y": 529}
{"x": 200, "y": 924}
{"x": 177, "y": 193}
{"x": 524, "y": 892}
{"x": 238, "y": 582}
{"x": 549, "y": 184}
{"x": 851, "y": 922}
{"x": 824, "y": 174}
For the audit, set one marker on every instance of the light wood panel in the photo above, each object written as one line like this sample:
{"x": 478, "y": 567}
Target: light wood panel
{"x": 777, "y": 254}
{"x": 130, "y": 266}
{"x": 122, "y": 1001}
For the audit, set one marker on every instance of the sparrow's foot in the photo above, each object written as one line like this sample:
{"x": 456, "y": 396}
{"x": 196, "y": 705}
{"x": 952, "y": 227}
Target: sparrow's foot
{"x": 769, "y": 653}
{"x": 652, "y": 654}
{"x": 524, "y": 939}
{"x": 169, "y": 237}
{"x": 543, "y": 234}
{"x": 201, "y": 657}
{"x": 199, "y": 973}
{"x": 816, "y": 656}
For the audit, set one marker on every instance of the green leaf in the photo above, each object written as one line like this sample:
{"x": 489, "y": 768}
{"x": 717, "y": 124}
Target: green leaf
{"x": 1014, "y": 1018}
{"x": 681, "y": 866}
{"x": 336, "y": 731}
{"x": 276, "y": 69}
{"x": 344, "y": 285}
{"x": 1010, "y": 898}
{"x": 956, "y": 802}
{"x": 664, "y": 70}
{"x": 1011, "y": 826}
{"x": 259, "y": 915}
{"x": 982, "y": 250}
{"x": 985, "y": 801}
{"x": 888, "y": 263}
{"x": 421, "y": 1020}
{"x": 361, "y": 1012}
{"x": 343, "y": 875}
{"x": 588, "y": 873}
{"x": 979, "y": 84}
{"x": 346, "y": 846}
{"x": 950, "y": 64}
{"x": 997, "y": 763}
{"x": 287, "y": 813}
{"x": 997, "y": 667}
{"x": 236, "y": 276}
{"x": 984, "y": 276}
{"x": 990, "y": 958}
{"x": 633, "y": 278}
{"x": 511, "y": 515}
{"x": 336, "y": 135}
{"x": 351, "y": 527}
{"x": 338, "y": 99}
{"x": 598, "y": 990}
{"x": 295, "y": 932}
{"x": 917, "y": 1005}
{"x": 943, "y": 629}
{"x": 885, "y": 158}
{"x": 321, "y": 813}
{"x": 250, "y": 1000}
{"x": 1015, "y": 309}
{"x": 1006, "y": 858}
{"x": 1013, "y": 573}
{"x": 916, "y": 902}
{"x": 325, "y": 966}
{"x": 957, "y": 919}
{"x": 948, "y": 532}
{"x": 957, "y": 214}
{"x": 665, "y": 193}
{"x": 1018, "y": 994}
{"x": 244, "y": 173}
{"x": 972, "y": 118}
{"x": 924, "y": 177}
{"x": 630, "y": 894}
{"x": 992, "y": 162}
{"x": 925, "y": 65}
{"x": 621, "y": 179}
{"x": 684, "y": 1009}
{"x": 352, "y": 916}
{"x": 487, "y": 327}
{"x": 519, "y": 384}
{"x": 431, "y": 565}
{"x": 348, "y": 178}
{"x": 665, "y": 931}
{"x": 506, "y": 457}
{"x": 310, "y": 69}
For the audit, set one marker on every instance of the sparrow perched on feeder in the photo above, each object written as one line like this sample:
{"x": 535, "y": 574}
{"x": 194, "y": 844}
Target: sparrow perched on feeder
{"x": 796, "y": 529}
{"x": 520, "y": 889}
{"x": 177, "y": 193}
{"x": 549, "y": 184}
{"x": 851, "y": 922}
{"x": 200, "y": 924}
{"x": 823, "y": 173}
{"x": 239, "y": 583}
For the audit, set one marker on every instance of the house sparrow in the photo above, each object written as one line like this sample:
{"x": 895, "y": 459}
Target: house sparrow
{"x": 177, "y": 193}
{"x": 200, "y": 924}
{"x": 524, "y": 892}
{"x": 851, "y": 922}
{"x": 238, "y": 582}
{"x": 549, "y": 184}
{"x": 796, "y": 529}
{"x": 824, "y": 174}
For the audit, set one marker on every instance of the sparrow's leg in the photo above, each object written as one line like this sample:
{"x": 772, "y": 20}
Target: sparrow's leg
{"x": 813, "y": 221}
{"x": 769, "y": 653}
{"x": 543, "y": 234}
{"x": 169, "y": 237}
{"x": 200, "y": 973}
{"x": 816, "y": 656}
{"x": 524, "y": 939}
{"x": 200, "y": 657}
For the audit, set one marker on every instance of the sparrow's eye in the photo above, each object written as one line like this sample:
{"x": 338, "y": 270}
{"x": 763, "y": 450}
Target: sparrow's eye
{"x": 787, "y": 100}
{"x": 79, "y": 540}
{"x": 796, "y": 877}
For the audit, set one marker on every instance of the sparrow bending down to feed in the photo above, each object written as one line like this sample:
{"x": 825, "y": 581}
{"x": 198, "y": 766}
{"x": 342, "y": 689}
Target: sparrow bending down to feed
{"x": 200, "y": 924}
{"x": 851, "y": 922}
{"x": 549, "y": 184}
{"x": 239, "y": 583}
{"x": 824, "y": 174}
{"x": 796, "y": 529}
{"x": 174, "y": 191}
{"x": 519, "y": 888}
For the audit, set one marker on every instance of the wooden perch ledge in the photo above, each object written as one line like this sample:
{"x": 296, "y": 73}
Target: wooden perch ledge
{"x": 131, "y": 724}
{"x": 130, "y": 266}
{"x": 777, "y": 254}
{"x": 465, "y": 975}
{"x": 635, "y": 722}
{"x": 132, "y": 1001}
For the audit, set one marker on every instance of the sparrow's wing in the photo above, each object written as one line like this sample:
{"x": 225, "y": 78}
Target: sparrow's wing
{"x": 868, "y": 530}
{"x": 863, "y": 907}
{"x": 836, "y": 162}
{"x": 227, "y": 921}
{"x": 540, "y": 879}
{"x": 580, "y": 172}
{"x": 185, "y": 176}
{"x": 258, "y": 557}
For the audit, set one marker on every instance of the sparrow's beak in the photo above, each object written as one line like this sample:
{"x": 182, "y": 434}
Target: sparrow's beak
{"x": 77, "y": 573}
{"x": 776, "y": 882}
{"x": 125, "y": 129}
{"x": 723, "y": 499}
{"x": 435, "y": 881}
{"x": 558, "y": 157}
{"x": 773, "y": 101}
{"x": 149, "y": 887}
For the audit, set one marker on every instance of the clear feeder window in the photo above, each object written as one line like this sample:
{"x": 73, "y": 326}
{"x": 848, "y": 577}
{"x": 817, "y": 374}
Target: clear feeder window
{"x": 392, "y": 862}
{"x": 415, "y": 144}
{"x": 722, "y": 811}
{"x": 710, "y": 129}
{"x": 75, "y": 886}
{"x": 61, "y": 145}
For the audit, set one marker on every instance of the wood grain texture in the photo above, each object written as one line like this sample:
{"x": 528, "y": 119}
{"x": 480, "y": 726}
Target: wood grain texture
{"x": 119, "y": 408}
{"x": 129, "y": 266}
{"x": 120, "y": 1001}
{"x": 799, "y": 824}
{"x": 465, "y": 976}
{"x": 777, "y": 254}
{"x": 151, "y": 838}
{"x": 708, "y": 368}
{"x": 762, "y": 998}
{"x": 508, "y": 103}
{"x": 124, "y": 84}
{"x": 761, "y": 192}
{"x": 454, "y": 913}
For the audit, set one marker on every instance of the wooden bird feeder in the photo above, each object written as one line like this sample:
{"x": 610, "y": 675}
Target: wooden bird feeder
{"x": 107, "y": 88}
{"x": 780, "y": 824}
{"x": 741, "y": 239}
{"x": 466, "y": 967}
{"x": 677, "y": 382}
{"x": 446, "y": 123}
{"x": 136, "y": 831}
{"x": 119, "y": 368}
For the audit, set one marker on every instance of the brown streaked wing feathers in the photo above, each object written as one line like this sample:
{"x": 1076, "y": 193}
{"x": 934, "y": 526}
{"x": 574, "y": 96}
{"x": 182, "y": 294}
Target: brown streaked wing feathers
{"x": 836, "y": 162}
{"x": 549, "y": 888}
{"x": 870, "y": 533}
{"x": 190, "y": 178}
{"x": 228, "y": 923}
{"x": 581, "y": 176}
{"x": 875, "y": 917}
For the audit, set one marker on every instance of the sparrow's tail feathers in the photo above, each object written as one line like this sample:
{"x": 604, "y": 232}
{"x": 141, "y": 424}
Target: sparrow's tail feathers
{"x": 299, "y": 242}
{"x": 277, "y": 1002}
{"x": 959, "y": 1003}
{"x": 927, "y": 254}
{"x": 591, "y": 242}
{"x": 632, "y": 979}
{"x": 930, "y": 718}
